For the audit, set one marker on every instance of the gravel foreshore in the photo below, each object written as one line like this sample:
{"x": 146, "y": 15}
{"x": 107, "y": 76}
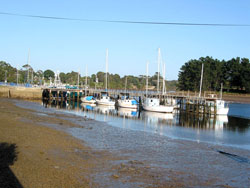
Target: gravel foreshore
{"x": 38, "y": 150}
{"x": 32, "y": 155}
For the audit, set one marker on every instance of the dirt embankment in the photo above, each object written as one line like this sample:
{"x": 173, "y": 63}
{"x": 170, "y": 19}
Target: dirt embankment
{"x": 21, "y": 93}
{"x": 238, "y": 98}
{"x": 32, "y": 155}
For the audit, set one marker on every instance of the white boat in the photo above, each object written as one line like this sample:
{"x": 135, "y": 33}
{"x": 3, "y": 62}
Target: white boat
{"x": 88, "y": 99}
{"x": 128, "y": 103}
{"x": 125, "y": 101}
{"x": 218, "y": 105}
{"x": 105, "y": 100}
{"x": 153, "y": 105}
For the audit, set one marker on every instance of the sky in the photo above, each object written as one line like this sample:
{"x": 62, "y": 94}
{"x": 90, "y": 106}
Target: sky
{"x": 68, "y": 46}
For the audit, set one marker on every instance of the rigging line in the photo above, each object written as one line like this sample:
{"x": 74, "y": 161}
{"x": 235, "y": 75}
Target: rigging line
{"x": 126, "y": 21}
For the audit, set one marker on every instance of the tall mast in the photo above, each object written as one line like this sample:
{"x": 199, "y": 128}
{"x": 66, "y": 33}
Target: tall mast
{"x": 86, "y": 78}
{"x": 78, "y": 78}
{"x": 147, "y": 79}
{"x": 32, "y": 75}
{"x": 5, "y": 76}
{"x": 126, "y": 81}
{"x": 107, "y": 55}
{"x": 28, "y": 74}
{"x": 17, "y": 75}
{"x": 221, "y": 89}
{"x": 158, "y": 76}
{"x": 163, "y": 79}
{"x": 201, "y": 79}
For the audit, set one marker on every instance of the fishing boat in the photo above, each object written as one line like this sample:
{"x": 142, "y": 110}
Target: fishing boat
{"x": 217, "y": 107}
{"x": 105, "y": 100}
{"x": 125, "y": 101}
{"x": 153, "y": 105}
{"x": 128, "y": 103}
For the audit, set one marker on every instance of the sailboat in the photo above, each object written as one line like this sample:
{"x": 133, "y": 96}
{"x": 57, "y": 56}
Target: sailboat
{"x": 105, "y": 99}
{"x": 87, "y": 99}
{"x": 153, "y": 104}
{"x": 126, "y": 102}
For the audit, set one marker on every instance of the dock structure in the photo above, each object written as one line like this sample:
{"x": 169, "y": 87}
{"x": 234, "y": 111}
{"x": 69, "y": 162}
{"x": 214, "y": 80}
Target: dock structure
{"x": 183, "y": 100}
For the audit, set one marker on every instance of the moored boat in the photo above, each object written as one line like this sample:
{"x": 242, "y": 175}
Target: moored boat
{"x": 105, "y": 100}
{"x": 88, "y": 99}
{"x": 153, "y": 105}
{"x": 128, "y": 103}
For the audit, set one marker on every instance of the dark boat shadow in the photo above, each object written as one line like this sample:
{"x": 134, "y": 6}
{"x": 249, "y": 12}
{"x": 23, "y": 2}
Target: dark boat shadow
{"x": 8, "y": 156}
{"x": 235, "y": 157}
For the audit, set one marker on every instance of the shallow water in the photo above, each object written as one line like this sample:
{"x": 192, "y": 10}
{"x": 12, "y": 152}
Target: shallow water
{"x": 232, "y": 130}
{"x": 162, "y": 143}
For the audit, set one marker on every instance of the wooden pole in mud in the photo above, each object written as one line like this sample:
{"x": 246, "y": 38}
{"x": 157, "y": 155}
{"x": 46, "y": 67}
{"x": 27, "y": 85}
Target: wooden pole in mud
{"x": 50, "y": 96}
{"x": 9, "y": 95}
{"x": 215, "y": 108}
{"x": 69, "y": 93}
{"x": 57, "y": 96}
{"x": 74, "y": 96}
{"x": 78, "y": 96}
{"x": 62, "y": 97}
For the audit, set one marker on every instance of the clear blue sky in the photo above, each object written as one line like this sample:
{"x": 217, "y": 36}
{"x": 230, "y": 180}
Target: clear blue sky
{"x": 71, "y": 45}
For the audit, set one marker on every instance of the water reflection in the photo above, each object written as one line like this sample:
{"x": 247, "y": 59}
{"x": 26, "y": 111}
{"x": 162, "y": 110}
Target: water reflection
{"x": 182, "y": 119}
{"x": 218, "y": 129}
{"x": 201, "y": 122}
{"x": 127, "y": 113}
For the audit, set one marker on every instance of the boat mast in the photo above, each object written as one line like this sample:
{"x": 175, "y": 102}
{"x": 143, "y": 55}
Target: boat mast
{"x": 158, "y": 76}
{"x": 126, "y": 80}
{"x": 78, "y": 78}
{"x": 163, "y": 79}
{"x": 86, "y": 76}
{"x": 106, "y": 84}
{"x": 147, "y": 80}
{"x": 201, "y": 79}
{"x": 221, "y": 89}
{"x": 17, "y": 76}
{"x": 28, "y": 74}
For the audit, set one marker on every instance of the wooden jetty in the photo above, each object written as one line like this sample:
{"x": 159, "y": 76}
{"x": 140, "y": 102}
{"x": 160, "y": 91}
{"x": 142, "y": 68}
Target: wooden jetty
{"x": 187, "y": 101}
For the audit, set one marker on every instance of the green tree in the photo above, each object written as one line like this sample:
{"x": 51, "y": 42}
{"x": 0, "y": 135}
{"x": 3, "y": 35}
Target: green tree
{"x": 49, "y": 74}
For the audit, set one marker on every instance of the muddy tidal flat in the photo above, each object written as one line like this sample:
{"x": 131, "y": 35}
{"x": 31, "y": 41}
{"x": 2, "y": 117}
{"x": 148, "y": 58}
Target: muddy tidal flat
{"x": 42, "y": 147}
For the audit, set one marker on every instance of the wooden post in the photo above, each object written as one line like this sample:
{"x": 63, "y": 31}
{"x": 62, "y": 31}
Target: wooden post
{"x": 57, "y": 96}
{"x": 50, "y": 96}
{"x": 74, "y": 95}
{"x": 9, "y": 95}
{"x": 74, "y": 99}
{"x": 69, "y": 97}
{"x": 215, "y": 108}
{"x": 78, "y": 96}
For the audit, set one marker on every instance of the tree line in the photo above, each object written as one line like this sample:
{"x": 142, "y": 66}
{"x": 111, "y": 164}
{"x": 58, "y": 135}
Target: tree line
{"x": 234, "y": 74}
{"x": 26, "y": 74}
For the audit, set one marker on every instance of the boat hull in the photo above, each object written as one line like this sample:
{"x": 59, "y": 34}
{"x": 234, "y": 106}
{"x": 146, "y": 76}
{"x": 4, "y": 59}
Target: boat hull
{"x": 88, "y": 102}
{"x": 123, "y": 104}
{"x": 162, "y": 109}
